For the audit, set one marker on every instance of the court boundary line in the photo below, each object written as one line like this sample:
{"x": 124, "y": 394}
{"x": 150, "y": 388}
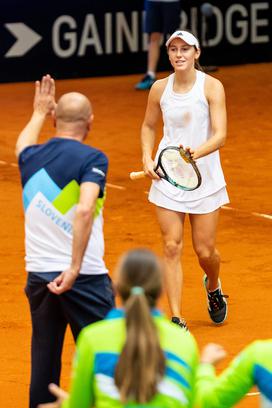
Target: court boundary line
{"x": 256, "y": 214}
{"x": 224, "y": 207}
{"x": 253, "y": 394}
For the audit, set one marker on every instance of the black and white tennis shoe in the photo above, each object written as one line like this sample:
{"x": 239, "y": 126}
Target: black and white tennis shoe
{"x": 217, "y": 304}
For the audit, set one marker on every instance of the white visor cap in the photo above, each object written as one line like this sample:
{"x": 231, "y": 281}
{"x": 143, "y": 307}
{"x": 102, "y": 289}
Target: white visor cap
{"x": 185, "y": 36}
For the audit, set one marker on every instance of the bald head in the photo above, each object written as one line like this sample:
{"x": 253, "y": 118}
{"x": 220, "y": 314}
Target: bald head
{"x": 73, "y": 116}
{"x": 73, "y": 107}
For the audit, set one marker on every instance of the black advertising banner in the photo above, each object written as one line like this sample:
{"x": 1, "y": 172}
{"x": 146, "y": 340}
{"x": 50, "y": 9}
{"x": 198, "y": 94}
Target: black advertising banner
{"x": 105, "y": 37}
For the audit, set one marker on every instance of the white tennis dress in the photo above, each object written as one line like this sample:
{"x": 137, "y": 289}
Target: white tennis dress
{"x": 186, "y": 120}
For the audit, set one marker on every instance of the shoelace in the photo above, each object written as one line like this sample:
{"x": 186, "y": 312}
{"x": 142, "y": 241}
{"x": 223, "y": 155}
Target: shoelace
{"x": 216, "y": 300}
{"x": 181, "y": 322}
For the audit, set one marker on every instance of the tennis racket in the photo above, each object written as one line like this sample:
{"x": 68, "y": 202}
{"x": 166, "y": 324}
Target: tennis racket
{"x": 176, "y": 166}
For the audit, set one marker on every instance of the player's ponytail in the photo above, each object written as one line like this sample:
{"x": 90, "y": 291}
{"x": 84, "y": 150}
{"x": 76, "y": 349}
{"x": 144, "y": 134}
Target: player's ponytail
{"x": 142, "y": 363}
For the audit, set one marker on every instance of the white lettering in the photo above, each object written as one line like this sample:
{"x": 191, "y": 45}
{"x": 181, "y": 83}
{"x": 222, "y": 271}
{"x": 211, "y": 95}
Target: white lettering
{"x": 145, "y": 35}
{"x": 255, "y": 23}
{"x": 183, "y": 20}
{"x": 69, "y": 37}
{"x": 90, "y": 28}
{"x": 212, "y": 42}
{"x": 108, "y": 33}
{"x": 125, "y": 33}
{"x": 242, "y": 25}
{"x": 122, "y": 28}
{"x": 194, "y": 19}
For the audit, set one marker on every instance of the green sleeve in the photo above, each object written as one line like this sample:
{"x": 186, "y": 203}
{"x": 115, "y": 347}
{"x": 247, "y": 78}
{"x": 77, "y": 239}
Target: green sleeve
{"x": 230, "y": 386}
{"x": 81, "y": 390}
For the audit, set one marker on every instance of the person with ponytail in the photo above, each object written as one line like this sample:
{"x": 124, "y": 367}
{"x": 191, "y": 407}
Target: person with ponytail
{"x": 135, "y": 357}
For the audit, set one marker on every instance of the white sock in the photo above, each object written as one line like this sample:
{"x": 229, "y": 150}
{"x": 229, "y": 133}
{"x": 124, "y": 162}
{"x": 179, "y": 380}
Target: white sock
{"x": 151, "y": 73}
{"x": 210, "y": 291}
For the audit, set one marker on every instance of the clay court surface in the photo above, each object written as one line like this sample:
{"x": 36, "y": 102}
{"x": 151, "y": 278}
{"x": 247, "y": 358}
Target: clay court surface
{"x": 244, "y": 234}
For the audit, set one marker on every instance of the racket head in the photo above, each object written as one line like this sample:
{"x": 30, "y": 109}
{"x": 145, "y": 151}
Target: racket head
{"x": 177, "y": 167}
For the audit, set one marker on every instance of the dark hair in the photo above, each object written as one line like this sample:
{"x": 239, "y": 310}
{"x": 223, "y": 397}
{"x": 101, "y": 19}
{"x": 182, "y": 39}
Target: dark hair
{"x": 141, "y": 363}
{"x": 197, "y": 63}
{"x": 198, "y": 66}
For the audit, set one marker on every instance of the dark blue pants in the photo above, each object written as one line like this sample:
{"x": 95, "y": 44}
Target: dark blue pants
{"x": 89, "y": 300}
{"x": 162, "y": 17}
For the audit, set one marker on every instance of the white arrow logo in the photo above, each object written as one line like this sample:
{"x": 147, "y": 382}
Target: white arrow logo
{"x": 26, "y": 39}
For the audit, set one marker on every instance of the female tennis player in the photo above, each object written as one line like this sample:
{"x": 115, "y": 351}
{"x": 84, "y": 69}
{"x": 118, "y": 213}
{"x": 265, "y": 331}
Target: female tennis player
{"x": 192, "y": 105}
{"x": 135, "y": 357}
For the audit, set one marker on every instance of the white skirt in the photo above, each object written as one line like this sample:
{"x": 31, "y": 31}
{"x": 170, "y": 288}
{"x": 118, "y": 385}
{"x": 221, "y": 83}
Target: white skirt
{"x": 201, "y": 206}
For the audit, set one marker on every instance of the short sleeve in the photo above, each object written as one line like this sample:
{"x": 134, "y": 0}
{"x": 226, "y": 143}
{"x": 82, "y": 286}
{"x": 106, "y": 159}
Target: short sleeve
{"x": 95, "y": 170}
{"x": 26, "y": 153}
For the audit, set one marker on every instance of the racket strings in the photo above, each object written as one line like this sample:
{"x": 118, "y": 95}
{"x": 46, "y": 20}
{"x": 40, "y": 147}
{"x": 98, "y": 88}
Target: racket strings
{"x": 179, "y": 170}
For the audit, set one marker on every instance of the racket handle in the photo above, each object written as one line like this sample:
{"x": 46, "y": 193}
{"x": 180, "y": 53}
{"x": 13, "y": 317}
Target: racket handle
{"x": 134, "y": 175}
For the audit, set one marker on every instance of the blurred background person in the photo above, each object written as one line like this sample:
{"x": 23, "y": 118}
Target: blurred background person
{"x": 161, "y": 17}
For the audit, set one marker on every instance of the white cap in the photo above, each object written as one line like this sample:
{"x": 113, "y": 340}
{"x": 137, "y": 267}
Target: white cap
{"x": 185, "y": 36}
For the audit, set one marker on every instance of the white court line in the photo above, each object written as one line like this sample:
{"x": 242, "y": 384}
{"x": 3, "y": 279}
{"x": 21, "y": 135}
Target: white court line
{"x": 252, "y": 394}
{"x": 115, "y": 186}
{"x": 228, "y": 208}
{"x": 269, "y": 217}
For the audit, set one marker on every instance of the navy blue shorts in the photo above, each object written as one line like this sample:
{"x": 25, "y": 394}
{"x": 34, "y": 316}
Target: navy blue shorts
{"x": 88, "y": 301}
{"x": 162, "y": 17}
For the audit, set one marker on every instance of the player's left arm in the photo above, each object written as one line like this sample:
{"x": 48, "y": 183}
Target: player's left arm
{"x": 82, "y": 227}
{"x": 44, "y": 104}
{"x": 215, "y": 95}
{"x": 92, "y": 186}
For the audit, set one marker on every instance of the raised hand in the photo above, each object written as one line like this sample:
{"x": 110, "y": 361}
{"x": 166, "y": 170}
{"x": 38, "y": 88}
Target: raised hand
{"x": 44, "y": 99}
{"x": 44, "y": 104}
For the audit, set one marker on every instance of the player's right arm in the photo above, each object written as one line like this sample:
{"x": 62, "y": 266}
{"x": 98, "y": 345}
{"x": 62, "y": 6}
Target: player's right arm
{"x": 44, "y": 104}
{"x": 230, "y": 386}
{"x": 148, "y": 130}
